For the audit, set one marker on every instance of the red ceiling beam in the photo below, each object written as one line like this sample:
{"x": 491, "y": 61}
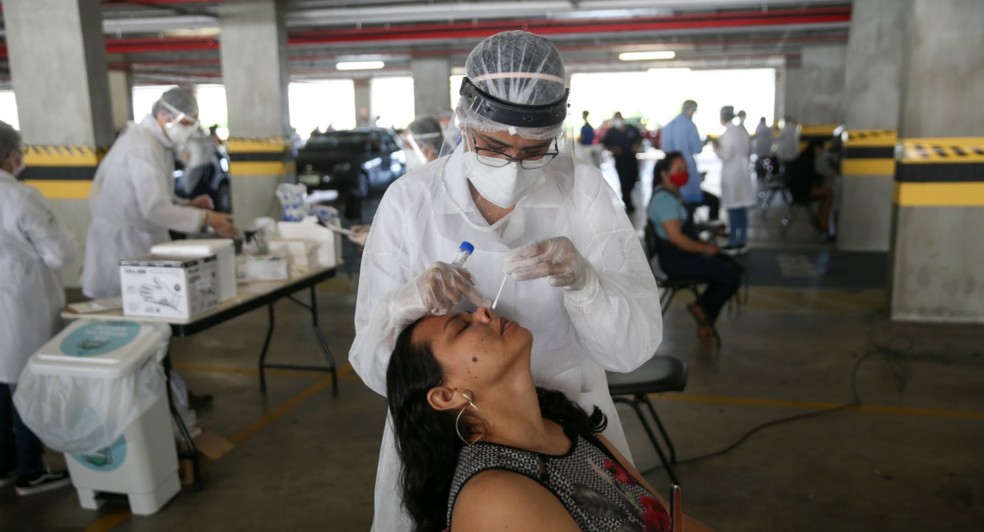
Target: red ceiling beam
{"x": 433, "y": 32}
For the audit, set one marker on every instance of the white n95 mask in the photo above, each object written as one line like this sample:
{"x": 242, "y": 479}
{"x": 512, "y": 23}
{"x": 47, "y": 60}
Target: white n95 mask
{"x": 180, "y": 133}
{"x": 502, "y": 186}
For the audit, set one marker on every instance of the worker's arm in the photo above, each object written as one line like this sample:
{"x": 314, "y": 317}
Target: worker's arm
{"x": 155, "y": 199}
{"x": 37, "y": 221}
{"x": 676, "y": 237}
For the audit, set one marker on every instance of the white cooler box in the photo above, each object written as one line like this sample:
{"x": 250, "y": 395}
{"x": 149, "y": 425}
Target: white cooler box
{"x": 107, "y": 371}
{"x": 328, "y": 251}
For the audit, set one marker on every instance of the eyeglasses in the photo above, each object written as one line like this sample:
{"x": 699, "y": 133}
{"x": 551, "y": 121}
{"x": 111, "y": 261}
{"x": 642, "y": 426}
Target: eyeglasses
{"x": 498, "y": 159}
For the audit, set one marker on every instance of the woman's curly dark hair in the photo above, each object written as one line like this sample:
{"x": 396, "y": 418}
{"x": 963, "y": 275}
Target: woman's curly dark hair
{"x": 663, "y": 165}
{"x": 426, "y": 439}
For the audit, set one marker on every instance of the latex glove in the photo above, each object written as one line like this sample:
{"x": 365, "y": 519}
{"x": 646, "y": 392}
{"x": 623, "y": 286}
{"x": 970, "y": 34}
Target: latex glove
{"x": 203, "y": 202}
{"x": 443, "y": 285}
{"x": 555, "y": 258}
{"x": 222, "y": 223}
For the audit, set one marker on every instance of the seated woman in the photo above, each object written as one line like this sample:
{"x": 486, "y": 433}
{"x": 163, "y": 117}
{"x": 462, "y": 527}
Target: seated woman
{"x": 682, "y": 255}
{"x": 806, "y": 182}
{"x": 483, "y": 448}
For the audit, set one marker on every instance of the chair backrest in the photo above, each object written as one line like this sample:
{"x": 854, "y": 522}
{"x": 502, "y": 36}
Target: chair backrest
{"x": 649, "y": 246}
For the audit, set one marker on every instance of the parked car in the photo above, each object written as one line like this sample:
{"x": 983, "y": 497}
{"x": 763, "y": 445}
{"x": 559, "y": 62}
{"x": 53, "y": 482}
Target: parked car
{"x": 211, "y": 179}
{"x": 354, "y": 163}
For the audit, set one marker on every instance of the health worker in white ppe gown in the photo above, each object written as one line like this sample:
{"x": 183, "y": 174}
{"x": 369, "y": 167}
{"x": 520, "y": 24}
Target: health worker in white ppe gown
{"x": 577, "y": 275}
{"x": 132, "y": 201}
{"x": 34, "y": 248}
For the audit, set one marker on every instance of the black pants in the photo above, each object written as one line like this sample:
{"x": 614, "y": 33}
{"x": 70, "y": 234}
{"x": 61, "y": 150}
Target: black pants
{"x": 722, "y": 278}
{"x": 628, "y": 175}
{"x": 712, "y": 202}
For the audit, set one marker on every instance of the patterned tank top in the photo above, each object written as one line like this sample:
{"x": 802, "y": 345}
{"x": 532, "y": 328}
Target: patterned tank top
{"x": 597, "y": 491}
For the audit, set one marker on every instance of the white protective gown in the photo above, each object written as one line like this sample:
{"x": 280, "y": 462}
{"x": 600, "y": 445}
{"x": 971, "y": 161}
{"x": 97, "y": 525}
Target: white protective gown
{"x": 132, "y": 206}
{"x": 737, "y": 187}
{"x": 33, "y": 249}
{"x": 425, "y": 215}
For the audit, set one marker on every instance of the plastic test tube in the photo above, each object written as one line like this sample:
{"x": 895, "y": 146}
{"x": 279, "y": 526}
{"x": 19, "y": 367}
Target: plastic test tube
{"x": 464, "y": 251}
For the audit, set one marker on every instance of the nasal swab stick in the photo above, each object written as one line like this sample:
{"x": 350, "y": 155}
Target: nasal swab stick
{"x": 499, "y": 293}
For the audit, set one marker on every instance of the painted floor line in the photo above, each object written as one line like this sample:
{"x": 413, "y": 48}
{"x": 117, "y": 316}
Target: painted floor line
{"x": 108, "y": 521}
{"x": 280, "y": 411}
{"x": 816, "y": 405}
{"x": 345, "y": 372}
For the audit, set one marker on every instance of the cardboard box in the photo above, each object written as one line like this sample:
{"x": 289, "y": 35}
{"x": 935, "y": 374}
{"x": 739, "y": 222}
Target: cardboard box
{"x": 168, "y": 287}
{"x": 328, "y": 245}
{"x": 224, "y": 250}
{"x": 210, "y": 447}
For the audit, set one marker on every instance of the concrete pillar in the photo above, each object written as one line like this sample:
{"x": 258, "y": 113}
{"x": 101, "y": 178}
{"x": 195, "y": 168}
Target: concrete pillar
{"x": 937, "y": 245}
{"x": 793, "y": 93}
{"x": 121, "y": 97}
{"x": 254, "y": 71}
{"x": 779, "y": 111}
{"x": 821, "y": 94}
{"x": 363, "y": 101}
{"x": 430, "y": 85}
{"x": 58, "y": 69}
{"x": 871, "y": 102}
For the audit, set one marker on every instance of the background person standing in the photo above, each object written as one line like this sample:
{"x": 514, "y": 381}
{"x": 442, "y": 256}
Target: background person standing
{"x": 33, "y": 250}
{"x": 737, "y": 190}
{"x": 624, "y": 140}
{"x": 132, "y": 201}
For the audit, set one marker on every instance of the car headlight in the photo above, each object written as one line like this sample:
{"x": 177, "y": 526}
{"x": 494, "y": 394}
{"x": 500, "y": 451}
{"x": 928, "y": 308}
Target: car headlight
{"x": 341, "y": 168}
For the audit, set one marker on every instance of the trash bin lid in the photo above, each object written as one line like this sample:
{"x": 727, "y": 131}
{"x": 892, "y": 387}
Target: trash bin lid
{"x": 104, "y": 349}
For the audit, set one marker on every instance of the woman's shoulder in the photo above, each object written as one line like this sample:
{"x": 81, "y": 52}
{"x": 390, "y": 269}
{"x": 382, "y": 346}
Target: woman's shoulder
{"x": 497, "y": 499}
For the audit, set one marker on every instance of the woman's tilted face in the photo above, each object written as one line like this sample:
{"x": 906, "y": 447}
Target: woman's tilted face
{"x": 474, "y": 349}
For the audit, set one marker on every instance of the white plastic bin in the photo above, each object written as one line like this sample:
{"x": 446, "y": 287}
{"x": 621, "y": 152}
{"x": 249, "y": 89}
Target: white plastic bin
{"x": 107, "y": 373}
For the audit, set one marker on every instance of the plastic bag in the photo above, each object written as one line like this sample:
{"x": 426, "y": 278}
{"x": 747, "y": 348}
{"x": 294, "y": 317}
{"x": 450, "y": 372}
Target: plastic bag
{"x": 292, "y": 206}
{"x": 84, "y": 414}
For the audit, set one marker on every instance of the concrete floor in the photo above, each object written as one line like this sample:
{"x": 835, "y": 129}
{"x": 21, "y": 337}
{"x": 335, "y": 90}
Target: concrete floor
{"x": 908, "y": 458}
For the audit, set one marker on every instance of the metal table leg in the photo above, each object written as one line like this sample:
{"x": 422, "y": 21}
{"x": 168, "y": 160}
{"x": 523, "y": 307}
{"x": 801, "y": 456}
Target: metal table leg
{"x": 332, "y": 368}
{"x": 192, "y": 452}
{"x": 266, "y": 347}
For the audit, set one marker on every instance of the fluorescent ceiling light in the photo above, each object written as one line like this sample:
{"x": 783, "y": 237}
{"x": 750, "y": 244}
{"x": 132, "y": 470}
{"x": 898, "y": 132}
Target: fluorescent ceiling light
{"x": 360, "y": 65}
{"x": 647, "y": 56}
{"x": 668, "y": 70}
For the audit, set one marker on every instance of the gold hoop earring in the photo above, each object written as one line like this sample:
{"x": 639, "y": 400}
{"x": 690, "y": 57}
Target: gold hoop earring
{"x": 457, "y": 422}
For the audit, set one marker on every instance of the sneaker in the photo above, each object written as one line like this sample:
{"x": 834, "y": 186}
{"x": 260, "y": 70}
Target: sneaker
{"x": 47, "y": 480}
{"x": 7, "y": 478}
{"x": 742, "y": 249}
{"x": 732, "y": 250}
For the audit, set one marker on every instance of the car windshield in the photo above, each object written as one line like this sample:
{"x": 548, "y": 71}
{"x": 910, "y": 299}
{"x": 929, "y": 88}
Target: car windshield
{"x": 339, "y": 140}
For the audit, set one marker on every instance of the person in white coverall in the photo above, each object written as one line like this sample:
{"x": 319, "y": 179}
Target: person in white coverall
{"x": 132, "y": 200}
{"x": 737, "y": 187}
{"x": 34, "y": 248}
{"x": 577, "y": 275}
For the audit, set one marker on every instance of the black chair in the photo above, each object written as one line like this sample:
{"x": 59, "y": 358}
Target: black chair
{"x": 661, "y": 373}
{"x": 669, "y": 287}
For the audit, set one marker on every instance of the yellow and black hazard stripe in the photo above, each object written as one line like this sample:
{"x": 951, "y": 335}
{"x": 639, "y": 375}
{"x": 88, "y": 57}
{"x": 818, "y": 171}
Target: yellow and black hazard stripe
{"x": 869, "y": 152}
{"x": 940, "y": 172}
{"x": 62, "y": 172}
{"x": 809, "y": 132}
{"x": 266, "y": 156}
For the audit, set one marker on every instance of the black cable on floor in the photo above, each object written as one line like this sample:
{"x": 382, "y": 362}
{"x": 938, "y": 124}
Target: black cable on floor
{"x": 891, "y": 354}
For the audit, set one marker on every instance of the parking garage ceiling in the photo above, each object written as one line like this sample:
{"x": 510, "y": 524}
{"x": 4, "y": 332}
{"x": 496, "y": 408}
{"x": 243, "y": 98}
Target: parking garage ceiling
{"x": 168, "y": 41}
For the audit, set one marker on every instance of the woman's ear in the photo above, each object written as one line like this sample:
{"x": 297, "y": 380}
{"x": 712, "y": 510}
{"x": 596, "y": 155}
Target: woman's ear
{"x": 445, "y": 398}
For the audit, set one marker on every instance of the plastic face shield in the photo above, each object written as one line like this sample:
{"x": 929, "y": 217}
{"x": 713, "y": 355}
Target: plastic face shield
{"x": 511, "y": 114}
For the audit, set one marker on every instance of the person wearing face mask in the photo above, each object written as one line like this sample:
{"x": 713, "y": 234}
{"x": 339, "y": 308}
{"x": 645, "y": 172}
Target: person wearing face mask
{"x": 576, "y": 273}
{"x": 132, "y": 201}
{"x": 624, "y": 140}
{"x": 34, "y": 248}
{"x": 737, "y": 187}
{"x": 682, "y": 254}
